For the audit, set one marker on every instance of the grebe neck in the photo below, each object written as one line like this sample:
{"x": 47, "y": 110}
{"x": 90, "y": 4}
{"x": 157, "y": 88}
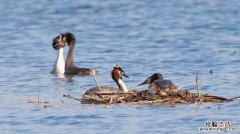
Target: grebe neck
{"x": 59, "y": 67}
{"x": 70, "y": 61}
{"x": 60, "y": 53}
{"x": 122, "y": 86}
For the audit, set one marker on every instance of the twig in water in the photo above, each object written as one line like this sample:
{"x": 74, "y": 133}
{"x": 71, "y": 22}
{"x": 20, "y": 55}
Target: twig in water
{"x": 36, "y": 101}
{"x": 95, "y": 79}
{"x": 234, "y": 98}
{"x": 46, "y": 105}
{"x": 197, "y": 85}
{"x": 68, "y": 96}
{"x": 217, "y": 97}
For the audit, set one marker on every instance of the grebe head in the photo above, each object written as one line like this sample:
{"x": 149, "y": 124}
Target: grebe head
{"x": 70, "y": 39}
{"x": 59, "y": 41}
{"x": 118, "y": 73}
{"x": 149, "y": 80}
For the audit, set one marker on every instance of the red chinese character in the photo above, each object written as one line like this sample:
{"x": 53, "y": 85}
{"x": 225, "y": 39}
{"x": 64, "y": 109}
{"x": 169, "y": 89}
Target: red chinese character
{"x": 221, "y": 124}
{"x": 227, "y": 124}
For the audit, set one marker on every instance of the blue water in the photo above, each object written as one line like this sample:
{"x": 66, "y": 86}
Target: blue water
{"x": 176, "y": 38}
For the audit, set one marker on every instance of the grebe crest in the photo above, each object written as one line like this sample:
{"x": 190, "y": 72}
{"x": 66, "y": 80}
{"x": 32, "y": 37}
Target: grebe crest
{"x": 59, "y": 42}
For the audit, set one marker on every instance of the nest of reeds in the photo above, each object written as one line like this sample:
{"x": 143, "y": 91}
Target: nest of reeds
{"x": 143, "y": 97}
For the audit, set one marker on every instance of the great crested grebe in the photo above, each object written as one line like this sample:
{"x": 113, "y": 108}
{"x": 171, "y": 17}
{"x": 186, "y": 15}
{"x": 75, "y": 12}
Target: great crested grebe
{"x": 157, "y": 82}
{"x": 70, "y": 66}
{"x": 117, "y": 75}
{"x": 59, "y": 66}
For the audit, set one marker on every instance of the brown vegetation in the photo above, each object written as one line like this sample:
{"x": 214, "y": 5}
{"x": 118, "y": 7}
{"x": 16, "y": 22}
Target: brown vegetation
{"x": 143, "y": 97}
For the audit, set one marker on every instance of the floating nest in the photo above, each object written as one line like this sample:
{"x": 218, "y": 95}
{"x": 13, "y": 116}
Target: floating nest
{"x": 143, "y": 97}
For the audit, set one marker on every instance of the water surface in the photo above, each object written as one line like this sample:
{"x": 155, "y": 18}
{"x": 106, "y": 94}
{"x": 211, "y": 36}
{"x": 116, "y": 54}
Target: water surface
{"x": 176, "y": 38}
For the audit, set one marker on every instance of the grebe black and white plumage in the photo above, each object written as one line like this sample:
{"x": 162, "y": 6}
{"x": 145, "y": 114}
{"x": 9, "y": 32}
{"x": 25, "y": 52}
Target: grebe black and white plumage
{"x": 59, "y": 66}
{"x": 117, "y": 75}
{"x": 157, "y": 82}
{"x": 70, "y": 67}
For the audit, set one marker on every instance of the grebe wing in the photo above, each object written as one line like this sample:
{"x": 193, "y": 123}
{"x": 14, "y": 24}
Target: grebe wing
{"x": 165, "y": 84}
{"x": 80, "y": 71}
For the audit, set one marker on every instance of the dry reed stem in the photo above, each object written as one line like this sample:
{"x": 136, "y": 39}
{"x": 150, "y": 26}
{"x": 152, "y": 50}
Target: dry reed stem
{"x": 37, "y": 101}
{"x": 97, "y": 99}
{"x": 234, "y": 98}
{"x": 68, "y": 96}
{"x": 197, "y": 86}
{"x": 95, "y": 79}
{"x": 112, "y": 93}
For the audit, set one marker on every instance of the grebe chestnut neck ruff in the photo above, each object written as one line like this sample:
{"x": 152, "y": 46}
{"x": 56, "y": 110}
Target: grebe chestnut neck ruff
{"x": 117, "y": 75}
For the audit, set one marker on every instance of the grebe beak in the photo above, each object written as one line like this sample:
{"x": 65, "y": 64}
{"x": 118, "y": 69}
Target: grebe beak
{"x": 147, "y": 81}
{"x": 123, "y": 73}
{"x": 55, "y": 45}
{"x": 120, "y": 70}
{"x": 58, "y": 42}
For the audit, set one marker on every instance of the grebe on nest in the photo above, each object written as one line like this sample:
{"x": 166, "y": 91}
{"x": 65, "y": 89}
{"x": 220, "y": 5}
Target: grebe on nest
{"x": 70, "y": 67}
{"x": 117, "y": 75}
{"x": 157, "y": 82}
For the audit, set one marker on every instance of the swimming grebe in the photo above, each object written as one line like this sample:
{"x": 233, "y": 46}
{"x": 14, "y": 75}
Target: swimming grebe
{"x": 117, "y": 75}
{"x": 70, "y": 66}
{"x": 157, "y": 82}
{"x": 59, "y": 67}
